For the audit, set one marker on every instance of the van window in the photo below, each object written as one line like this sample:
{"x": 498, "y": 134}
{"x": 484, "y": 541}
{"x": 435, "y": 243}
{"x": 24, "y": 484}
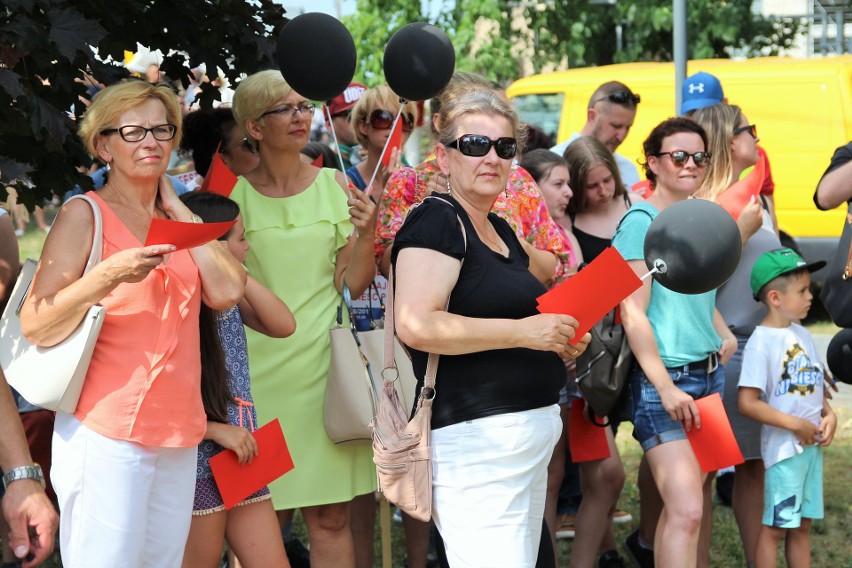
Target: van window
{"x": 542, "y": 110}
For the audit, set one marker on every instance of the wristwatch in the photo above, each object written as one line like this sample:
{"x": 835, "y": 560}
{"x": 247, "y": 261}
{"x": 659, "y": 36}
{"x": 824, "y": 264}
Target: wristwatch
{"x": 24, "y": 472}
{"x": 196, "y": 219}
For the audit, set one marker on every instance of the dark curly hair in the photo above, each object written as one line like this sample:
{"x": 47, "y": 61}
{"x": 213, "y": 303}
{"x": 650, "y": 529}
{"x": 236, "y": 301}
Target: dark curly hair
{"x": 669, "y": 127}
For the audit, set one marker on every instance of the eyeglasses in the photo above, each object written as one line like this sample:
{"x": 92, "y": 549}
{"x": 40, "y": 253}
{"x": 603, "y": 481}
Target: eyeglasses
{"x": 307, "y": 108}
{"x": 134, "y": 133}
{"x": 625, "y": 98}
{"x": 241, "y": 142}
{"x": 750, "y": 128}
{"x": 381, "y": 119}
{"x": 681, "y": 157}
{"x": 477, "y": 145}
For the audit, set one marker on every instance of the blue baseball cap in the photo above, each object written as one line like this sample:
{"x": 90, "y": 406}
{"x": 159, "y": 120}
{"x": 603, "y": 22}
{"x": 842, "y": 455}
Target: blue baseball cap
{"x": 699, "y": 91}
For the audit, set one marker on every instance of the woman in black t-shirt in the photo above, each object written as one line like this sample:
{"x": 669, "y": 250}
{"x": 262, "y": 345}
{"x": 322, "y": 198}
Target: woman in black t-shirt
{"x": 495, "y": 418}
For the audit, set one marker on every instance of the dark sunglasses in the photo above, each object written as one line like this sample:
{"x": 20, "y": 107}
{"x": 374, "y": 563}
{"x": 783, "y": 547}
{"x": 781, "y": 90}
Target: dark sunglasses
{"x": 478, "y": 145}
{"x": 622, "y": 98}
{"x": 750, "y": 128}
{"x": 242, "y": 142}
{"x": 381, "y": 119}
{"x": 681, "y": 157}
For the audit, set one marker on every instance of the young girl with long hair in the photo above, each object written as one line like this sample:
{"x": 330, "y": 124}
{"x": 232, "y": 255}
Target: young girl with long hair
{"x": 251, "y": 527}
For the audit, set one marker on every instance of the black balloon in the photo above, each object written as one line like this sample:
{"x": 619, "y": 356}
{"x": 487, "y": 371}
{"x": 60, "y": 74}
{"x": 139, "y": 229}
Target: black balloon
{"x": 419, "y": 61}
{"x": 839, "y": 356}
{"x": 696, "y": 243}
{"x": 316, "y": 54}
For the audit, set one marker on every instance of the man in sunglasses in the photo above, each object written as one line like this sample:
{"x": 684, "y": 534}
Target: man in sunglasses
{"x": 340, "y": 107}
{"x": 611, "y": 112}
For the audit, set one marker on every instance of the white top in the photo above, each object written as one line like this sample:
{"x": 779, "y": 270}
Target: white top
{"x": 784, "y": 364}
{"x": 627, "y": 169}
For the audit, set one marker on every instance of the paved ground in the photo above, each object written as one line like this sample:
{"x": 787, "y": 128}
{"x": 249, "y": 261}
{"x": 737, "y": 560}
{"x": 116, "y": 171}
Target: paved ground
{"x": 844, "y": 397}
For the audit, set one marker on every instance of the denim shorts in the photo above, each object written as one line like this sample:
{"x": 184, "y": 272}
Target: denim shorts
{"x": 652, "y": 425}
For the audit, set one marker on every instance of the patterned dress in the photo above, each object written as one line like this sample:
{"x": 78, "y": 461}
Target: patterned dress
{"x": 521, "y": 205}
{"x": 233, "y": 337}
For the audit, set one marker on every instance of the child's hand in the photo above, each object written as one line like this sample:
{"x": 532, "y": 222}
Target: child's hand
{"x": 805, "y": 430}
{"x": 827, "y": 428}
{"x": 239, "y": 440}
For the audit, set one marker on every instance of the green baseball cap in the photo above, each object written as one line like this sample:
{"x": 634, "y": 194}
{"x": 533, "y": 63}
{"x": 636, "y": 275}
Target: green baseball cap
{"x": 774, "y": 263}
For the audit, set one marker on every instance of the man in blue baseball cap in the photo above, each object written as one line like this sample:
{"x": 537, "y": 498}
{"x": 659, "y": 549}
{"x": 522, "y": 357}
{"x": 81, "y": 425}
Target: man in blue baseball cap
{"x": 699, "y": 91}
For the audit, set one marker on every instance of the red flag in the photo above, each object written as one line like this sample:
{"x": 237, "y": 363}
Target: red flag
{"x": 318, "y": 162}
{"x": 395, "y": 141}
{"x": 219, "y": 178}
{"x": 736, "y": 197}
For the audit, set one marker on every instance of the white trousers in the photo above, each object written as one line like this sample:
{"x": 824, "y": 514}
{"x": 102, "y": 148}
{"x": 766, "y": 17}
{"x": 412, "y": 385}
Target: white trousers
{"x": 489, "y": 485}
{"x": 120, "y": 503}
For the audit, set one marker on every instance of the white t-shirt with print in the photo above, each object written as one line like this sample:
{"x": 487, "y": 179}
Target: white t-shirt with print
{"x": 784, "y": 364}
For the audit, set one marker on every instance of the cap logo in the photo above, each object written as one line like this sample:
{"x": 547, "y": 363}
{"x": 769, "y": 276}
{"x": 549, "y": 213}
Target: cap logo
{"x": 352, "y": 94}
{"x": 696, "y": 87}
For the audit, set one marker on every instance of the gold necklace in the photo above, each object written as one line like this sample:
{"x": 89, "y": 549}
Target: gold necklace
{"x": 495, "y": 243}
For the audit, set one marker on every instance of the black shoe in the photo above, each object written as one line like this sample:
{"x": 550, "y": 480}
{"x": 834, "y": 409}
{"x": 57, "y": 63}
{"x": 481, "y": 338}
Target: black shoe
{"x": 725, "y": 488}
{"x": 611, "y": 559}
{"x": 297, "y": 554}
{"x": 641, "y": 556}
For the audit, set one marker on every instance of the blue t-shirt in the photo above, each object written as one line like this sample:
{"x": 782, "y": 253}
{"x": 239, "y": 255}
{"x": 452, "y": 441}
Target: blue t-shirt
{"x": 682, "y": 323}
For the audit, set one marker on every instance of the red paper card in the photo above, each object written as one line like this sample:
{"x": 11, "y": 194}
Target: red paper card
{"x": 592, "y": 292}
{"x": 236, "y": 482}
{"x": 184, "y": 235}
{"x": 714, "y": 444}
{"x": 586, "y": 441}
{"x": 219, "y": 179}
{"x": 394, "y": 141}
{"x": 741, "y": 192}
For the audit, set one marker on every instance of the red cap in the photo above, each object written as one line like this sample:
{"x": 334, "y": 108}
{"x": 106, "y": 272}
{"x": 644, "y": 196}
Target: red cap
{"x": 347, "y": 99}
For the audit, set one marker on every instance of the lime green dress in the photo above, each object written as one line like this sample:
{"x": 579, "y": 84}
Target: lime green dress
{"x": 294, "y": 243}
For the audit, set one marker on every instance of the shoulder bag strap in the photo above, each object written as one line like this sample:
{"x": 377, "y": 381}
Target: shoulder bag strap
{"x": 847, "y": 271}
{"x": 97, "y": 234}
{"x": 432, "y": 362}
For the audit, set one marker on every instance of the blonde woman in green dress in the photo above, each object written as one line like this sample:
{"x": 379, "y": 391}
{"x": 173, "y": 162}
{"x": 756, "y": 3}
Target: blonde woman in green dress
{"x": 299, "y": 220}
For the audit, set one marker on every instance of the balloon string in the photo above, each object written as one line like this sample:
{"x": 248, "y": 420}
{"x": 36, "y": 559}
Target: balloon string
{"x": 336, "y": 145}
{"x": 650, "y": 272}
{"x": 384, "y": 149}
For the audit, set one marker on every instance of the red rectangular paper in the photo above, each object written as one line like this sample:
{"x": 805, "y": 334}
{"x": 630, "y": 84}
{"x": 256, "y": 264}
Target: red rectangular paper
{"x": 394, "y": 141}
{"x": 236, "y": 482}
{"x": 741, "y": 192}
{"x": 184, "y": 235}
{"x": 714, "y": 444}
{"x": 219, "y": 178}
{"x": 586, "y": 441}
{"x": 592, "y": 292}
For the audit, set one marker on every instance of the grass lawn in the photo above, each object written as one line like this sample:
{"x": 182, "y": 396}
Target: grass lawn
{"x": 831, "y": 537}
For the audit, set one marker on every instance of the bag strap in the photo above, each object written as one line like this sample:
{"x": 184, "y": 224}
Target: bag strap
{"x": 97, "y": 235}
{"x": 432, "y": 362}
{"x": 847, "y": 270}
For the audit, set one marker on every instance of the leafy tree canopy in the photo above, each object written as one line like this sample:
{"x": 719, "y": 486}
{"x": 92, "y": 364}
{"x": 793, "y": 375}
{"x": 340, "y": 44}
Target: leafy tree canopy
{"x": 47, "y": 45}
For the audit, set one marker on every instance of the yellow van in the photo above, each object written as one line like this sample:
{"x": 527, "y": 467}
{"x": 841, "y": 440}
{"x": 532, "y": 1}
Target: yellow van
{"x": 802, "y": 109}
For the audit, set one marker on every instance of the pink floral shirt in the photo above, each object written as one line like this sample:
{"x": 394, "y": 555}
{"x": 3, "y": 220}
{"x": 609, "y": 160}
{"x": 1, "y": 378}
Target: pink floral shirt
{"x": 522, "y": 206}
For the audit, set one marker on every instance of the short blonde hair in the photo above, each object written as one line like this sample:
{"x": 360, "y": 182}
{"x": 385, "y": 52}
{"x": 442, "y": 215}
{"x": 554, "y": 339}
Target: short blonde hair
{"x": 458, "y": 103}
{"x": 257, "y": 94}
{"x": 115, "y": 100}
{"x": 376, "y": 98}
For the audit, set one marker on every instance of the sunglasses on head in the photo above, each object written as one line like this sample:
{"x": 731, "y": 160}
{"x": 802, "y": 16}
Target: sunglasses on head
{"x": 381, "y": 119}
{"x": 622, "y": 98}
{"x": 750, "y": 128}
{"x": 478, "y": 145}
{"x": 681, "y": 157}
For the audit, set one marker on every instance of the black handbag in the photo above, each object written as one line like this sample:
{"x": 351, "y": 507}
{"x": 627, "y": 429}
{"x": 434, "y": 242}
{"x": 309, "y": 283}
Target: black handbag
{"x": 836, "y": 293}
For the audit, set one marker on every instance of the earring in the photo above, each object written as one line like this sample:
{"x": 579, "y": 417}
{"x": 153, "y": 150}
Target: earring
{"x": 449, "y": 188}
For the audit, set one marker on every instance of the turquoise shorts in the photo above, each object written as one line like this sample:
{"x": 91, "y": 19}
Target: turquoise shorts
{"x": 794, "y": 490}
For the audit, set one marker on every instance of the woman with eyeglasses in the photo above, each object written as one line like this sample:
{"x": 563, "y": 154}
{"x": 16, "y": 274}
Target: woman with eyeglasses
{"x": 124, "y": 461}
{"x": 208, "y": 131}
{"x": 372, "y": 118}
{"x": 299, "y": 220}
{"x": 680, "y": 343}
{"x": 495, "y": 419}
{"x": 733, "y": 142}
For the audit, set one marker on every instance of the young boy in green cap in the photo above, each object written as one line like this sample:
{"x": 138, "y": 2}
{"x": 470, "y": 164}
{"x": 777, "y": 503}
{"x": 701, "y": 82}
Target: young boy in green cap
{"x": 781, "y": 386}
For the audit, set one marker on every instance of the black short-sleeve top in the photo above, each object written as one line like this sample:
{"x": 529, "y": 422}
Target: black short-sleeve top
{"x": 841, "y": 157}
{"x": 489, "y": 286}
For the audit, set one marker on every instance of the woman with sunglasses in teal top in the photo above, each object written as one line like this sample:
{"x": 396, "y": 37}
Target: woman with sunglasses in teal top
{"x": 372, "y": 118}
{"x": 680, "y": 343}
{"x": 495, "y": 415}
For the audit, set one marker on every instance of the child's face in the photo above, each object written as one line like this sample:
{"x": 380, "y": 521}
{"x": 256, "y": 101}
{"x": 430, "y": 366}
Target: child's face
{"x": 236, "y": 241}
{"x": 795, "y": 301}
